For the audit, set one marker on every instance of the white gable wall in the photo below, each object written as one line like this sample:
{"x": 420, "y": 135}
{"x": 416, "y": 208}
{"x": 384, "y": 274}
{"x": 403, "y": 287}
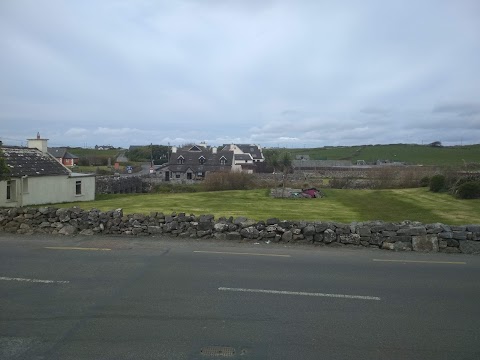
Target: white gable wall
{"x": 47, "y": 190}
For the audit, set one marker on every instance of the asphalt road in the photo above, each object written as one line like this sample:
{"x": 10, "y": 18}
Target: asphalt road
{"x": 144, "y": 298}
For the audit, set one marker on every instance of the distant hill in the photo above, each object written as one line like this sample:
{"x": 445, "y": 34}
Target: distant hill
{"x": 408, "y": 153}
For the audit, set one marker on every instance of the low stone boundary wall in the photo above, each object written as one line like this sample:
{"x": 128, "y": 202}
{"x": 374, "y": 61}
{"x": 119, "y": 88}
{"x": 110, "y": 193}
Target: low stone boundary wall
{"x": 403, "y": 236}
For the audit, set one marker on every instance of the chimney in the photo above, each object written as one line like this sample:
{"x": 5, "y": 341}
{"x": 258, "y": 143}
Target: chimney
{"x": 214, "y": 150}
{"x": 38, "y": 143}
{"x": 174, "y": 149}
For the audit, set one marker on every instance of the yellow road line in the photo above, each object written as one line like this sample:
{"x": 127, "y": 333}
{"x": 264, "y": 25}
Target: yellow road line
{"x": 239, "y": 253}
{"x": 423, "y": 261}
{"x": 75, "y": 248}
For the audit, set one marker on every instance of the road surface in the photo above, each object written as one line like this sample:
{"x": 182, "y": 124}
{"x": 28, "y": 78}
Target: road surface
{"x": 151, "y": 298}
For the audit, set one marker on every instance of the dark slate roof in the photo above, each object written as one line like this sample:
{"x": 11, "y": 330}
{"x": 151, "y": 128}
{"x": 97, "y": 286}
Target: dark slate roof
{"x": 58, "y": 152}
{"x": 31, "y": 162}
{"x": 61, "y": 152}
{"x": 191, "y": 160}
{"x": 251, "y": 149}
{"x": 243, "y": 157}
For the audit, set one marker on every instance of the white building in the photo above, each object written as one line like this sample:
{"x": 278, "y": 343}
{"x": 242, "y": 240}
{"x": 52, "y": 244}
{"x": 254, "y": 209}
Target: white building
{"x": 37, "y": 178}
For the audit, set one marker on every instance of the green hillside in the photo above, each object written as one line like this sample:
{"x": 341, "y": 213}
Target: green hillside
{"x": 411, "y": 154}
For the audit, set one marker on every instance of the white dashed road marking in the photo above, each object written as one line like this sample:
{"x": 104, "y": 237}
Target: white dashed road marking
{"x": 300, "y": 293}
{"x": 4, "y": 278}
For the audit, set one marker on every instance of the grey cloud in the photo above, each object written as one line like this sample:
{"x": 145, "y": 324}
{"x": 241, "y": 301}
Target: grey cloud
{"x": 460, "y": 109}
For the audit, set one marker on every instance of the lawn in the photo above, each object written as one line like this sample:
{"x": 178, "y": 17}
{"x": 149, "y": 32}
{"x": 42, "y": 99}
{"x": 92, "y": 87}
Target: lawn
{"x": 339, "y": 205}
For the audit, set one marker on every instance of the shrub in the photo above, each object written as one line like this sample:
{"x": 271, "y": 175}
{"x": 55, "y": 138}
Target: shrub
{"x": 437, "y": 183}
{"x": 469, "y": 190}
{"x": 219, "y": 181}
{"x": 425, "y": 181}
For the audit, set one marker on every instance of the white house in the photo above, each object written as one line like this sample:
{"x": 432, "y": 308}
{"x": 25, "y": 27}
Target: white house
{"x": 37, "y": 178}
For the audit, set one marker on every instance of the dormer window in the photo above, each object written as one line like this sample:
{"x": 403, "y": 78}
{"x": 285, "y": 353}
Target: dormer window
{"x": 223, "y": 160}
{"x": 181, "y": 160}
{"x": 201, "y": 160}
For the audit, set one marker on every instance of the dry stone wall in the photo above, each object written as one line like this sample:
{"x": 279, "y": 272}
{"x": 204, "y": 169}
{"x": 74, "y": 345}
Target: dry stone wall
{"x": 403, "y": 236}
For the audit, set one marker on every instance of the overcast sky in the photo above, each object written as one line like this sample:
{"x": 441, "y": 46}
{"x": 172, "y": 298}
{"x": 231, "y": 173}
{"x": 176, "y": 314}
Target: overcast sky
{"x": 271, "y": 72}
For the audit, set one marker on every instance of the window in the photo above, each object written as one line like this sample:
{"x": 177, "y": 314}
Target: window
{"x": 189, "y": 176}
{"x": 223, "y": 160}
{"x": 11, "y": 190}
{"x": 25, "y": 185}
{"x": 181, "y": 160}
{"x": 78, "y": 187}
{"x": 201, "y": 160}
{"x": 177, "y": 176}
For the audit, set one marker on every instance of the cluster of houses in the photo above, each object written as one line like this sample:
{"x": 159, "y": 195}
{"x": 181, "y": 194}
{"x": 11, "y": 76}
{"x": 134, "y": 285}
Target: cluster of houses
{"x": 39, "y": 174}
{"x": 193, "y": 163}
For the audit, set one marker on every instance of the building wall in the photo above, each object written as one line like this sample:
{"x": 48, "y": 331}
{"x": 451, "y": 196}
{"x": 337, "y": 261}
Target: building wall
{"x": 47, "y": 190}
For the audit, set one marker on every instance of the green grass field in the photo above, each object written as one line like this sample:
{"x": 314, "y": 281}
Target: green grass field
{"x": 339, "y": 205}
{"x": 412, "y": 154}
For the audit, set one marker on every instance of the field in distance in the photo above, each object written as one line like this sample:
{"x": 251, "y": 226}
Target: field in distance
{"x": 408, "y": 153}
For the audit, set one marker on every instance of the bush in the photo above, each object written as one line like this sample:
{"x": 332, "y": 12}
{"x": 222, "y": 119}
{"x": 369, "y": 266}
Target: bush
{"x": 437, "y": 183}
{"x": 220, "y": 181}
{"x": 469, "y": 190}
{"x": 425, "y": 181}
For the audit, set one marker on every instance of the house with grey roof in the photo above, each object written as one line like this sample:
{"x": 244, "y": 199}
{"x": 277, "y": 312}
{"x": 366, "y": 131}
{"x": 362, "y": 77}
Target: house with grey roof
{"x": 63, "y": 156}
{"x": 195, "y": 162}
{"x": 35, "y": 177}
{"x": 240, "y": 150}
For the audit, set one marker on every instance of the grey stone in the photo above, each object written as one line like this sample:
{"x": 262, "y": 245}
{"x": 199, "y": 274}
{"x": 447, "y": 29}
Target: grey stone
{"x": 459, "y": 228}
{"x": 220, "y": 236}
{"x": 442, "y": 244}
{"x": 285, "y": 224}
{"x": 239, "y": 220}
{"x": 364, "y": 231}
{"x": 349, "y": 239}
{"x": 318, "y": 237}
{"x": 388, "y": 246}
{"x": 272, "y": 221}
{"x": 234, "y": 235}
{"x": 67, "y": 230}
{"x": 459, "y": 235}
{"x": 87, "y": 232}
{"x": 247, "y": 223}
{"x": 376, "y": 239}
{"x": 329, "y": 236}
{"x": 308, "y": 230}
{"x": 203, "y": 233}
{"x": 220, "y": 227}
{"x": 287, "y": 236}
{"x": 320, "y": 227}
{"x": 342, "y": 229}
{"x": 473, "y": 228}
{"x": 445, "y": 235}
{"x": 470, "y": 247}
{"x": 249, "y": 232}
{"x": 402, "y": 246}
{"x": 412, "y": 231}
{"x": 154, "y": 229}
{"x": 453, "y": 243}
{"x": 425, "y": 243}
